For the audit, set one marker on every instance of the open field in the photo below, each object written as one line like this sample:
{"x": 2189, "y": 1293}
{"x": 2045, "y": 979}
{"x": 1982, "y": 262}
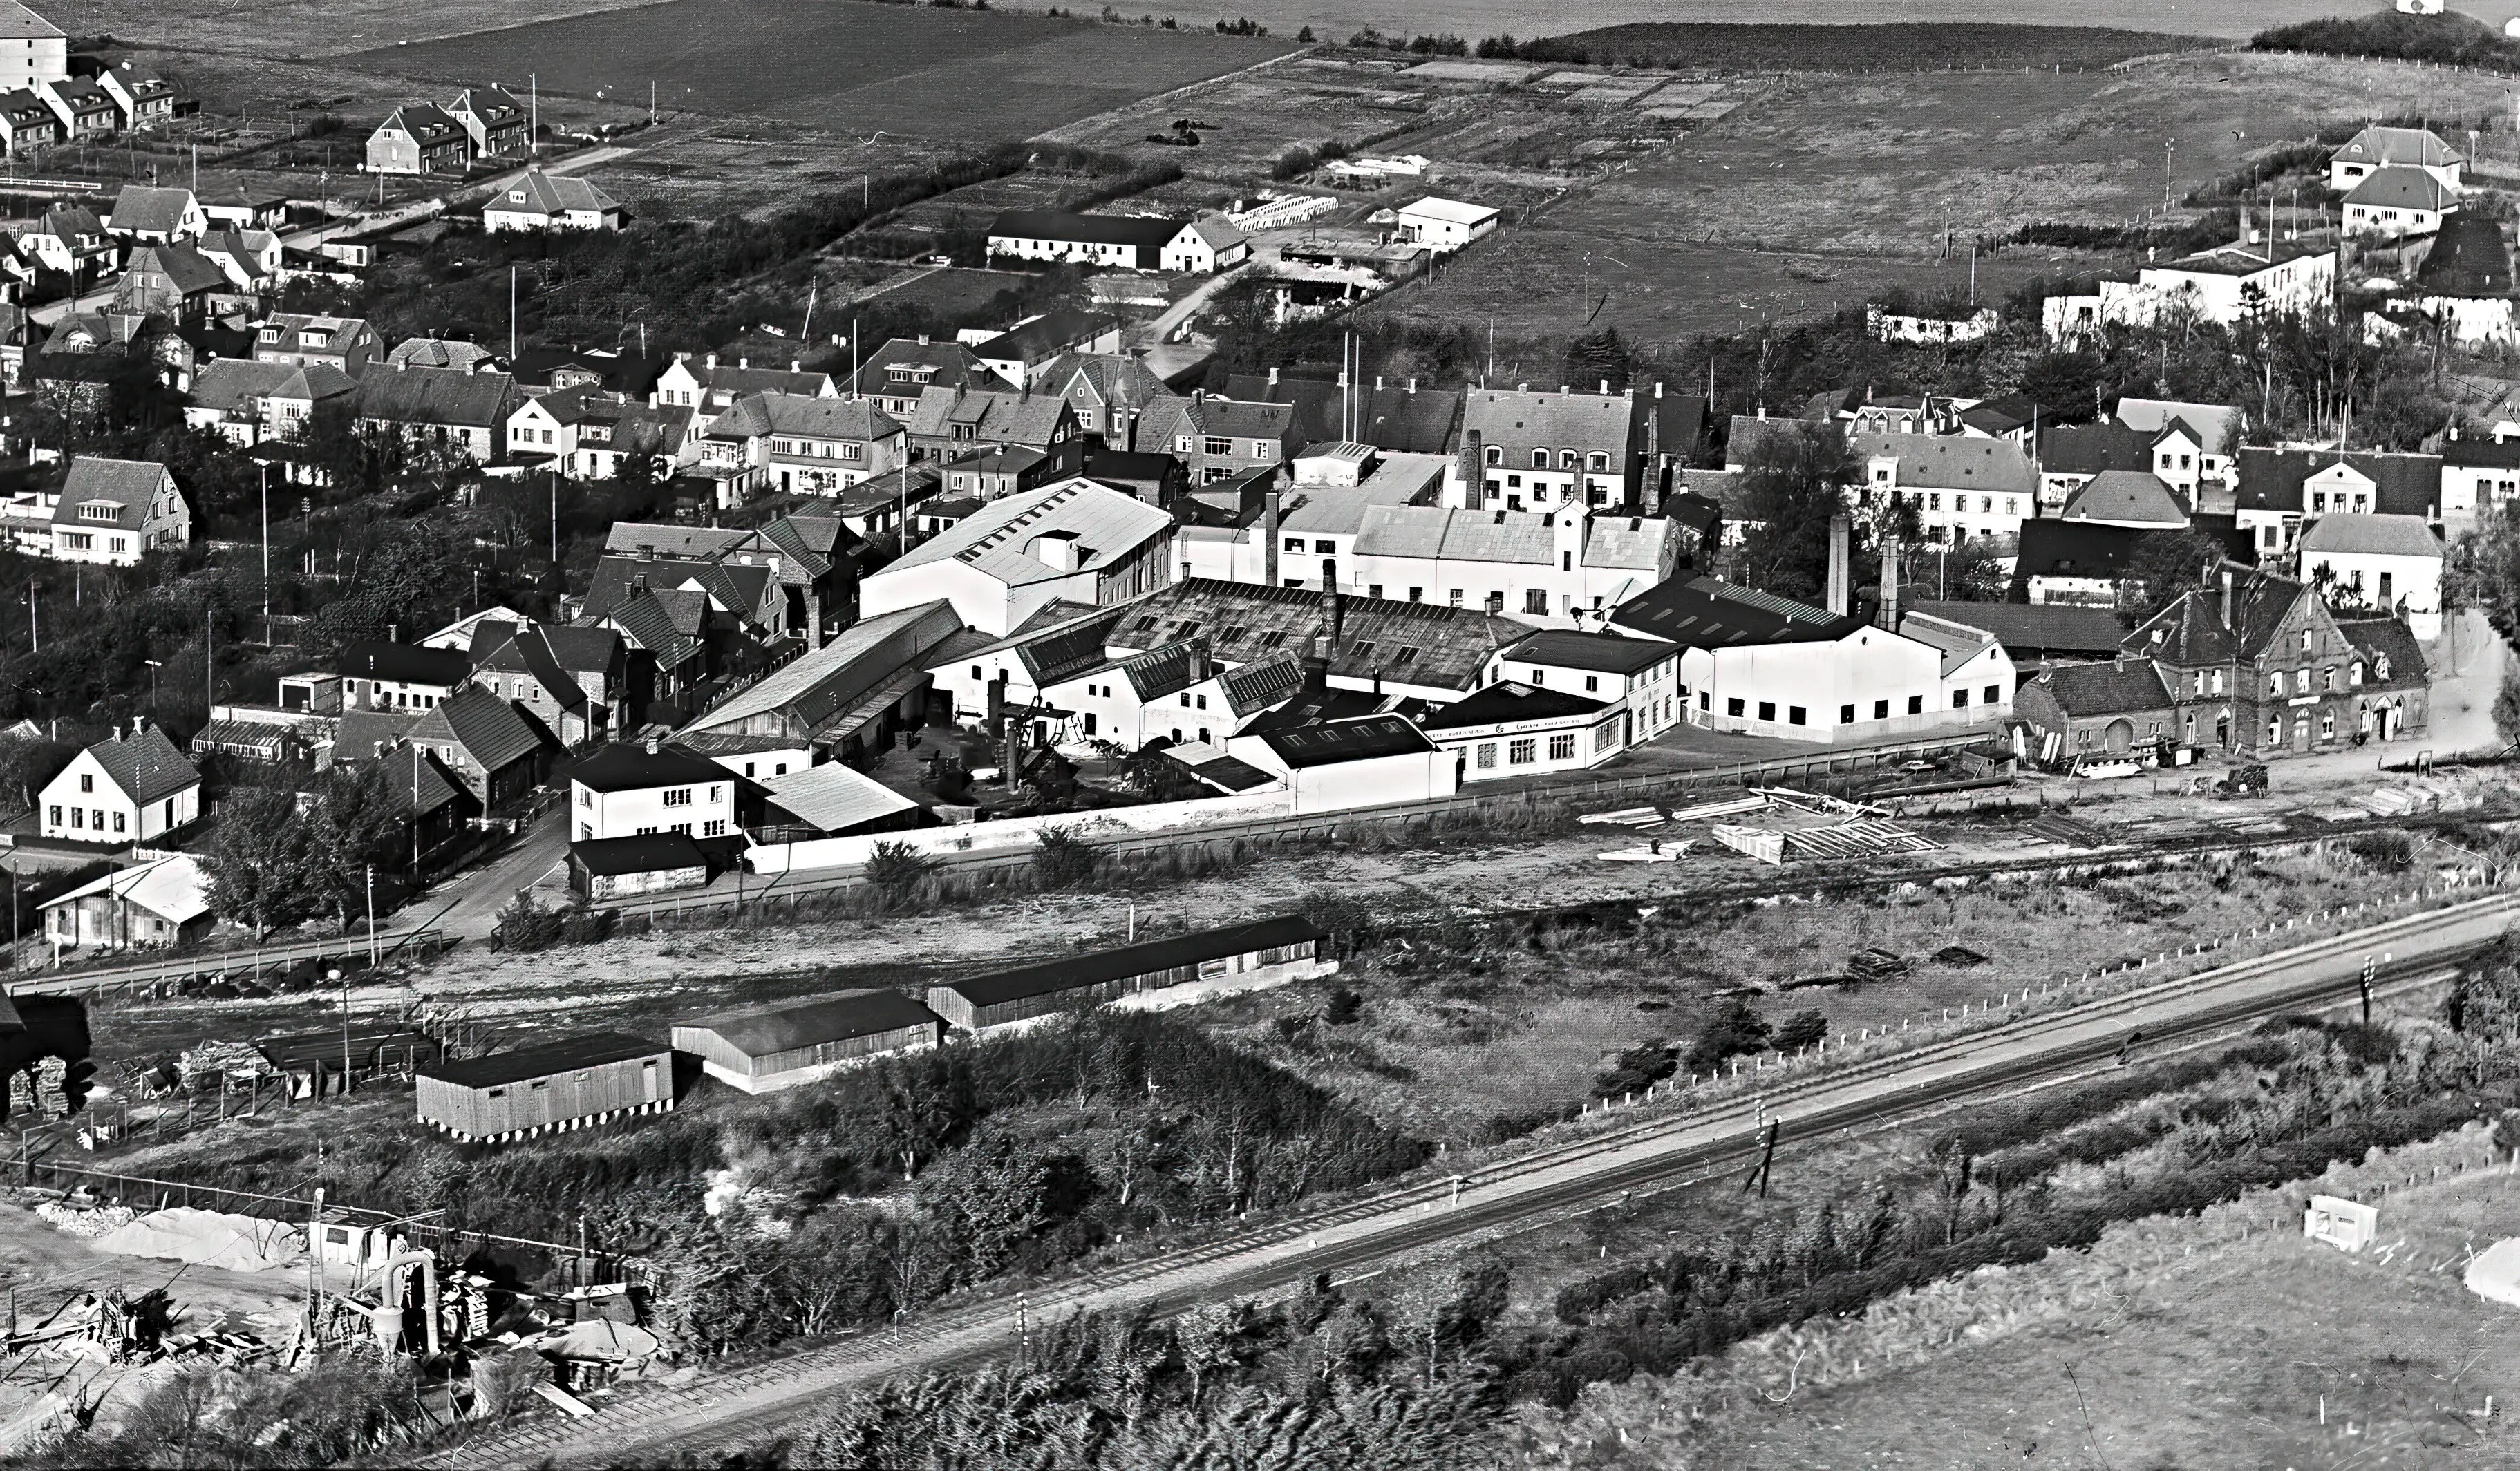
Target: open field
{"x": 2187, "y": 1342}
{"x": 967, "y": 75}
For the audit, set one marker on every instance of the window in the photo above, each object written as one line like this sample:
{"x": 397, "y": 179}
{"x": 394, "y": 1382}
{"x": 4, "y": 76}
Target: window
{"x": 1374, "y": 590}
{"x": 2301, "y": 681}
{"x": 1540, "y": 459}
{"x": 2328, "y": 727}
{"x": 1535, "y": 600}
{"x": 1521, "y": 752}
{"x": 1294, "y": 544}
{"x": 1417, "y": 594}
{"x": 1766, "y": 709}
{"x": 1994, "y": 695}
{"x": 2274, "y": 684}
{"x": 714, "y": 827}
{"x": 1794, "y": 716}
{"x": 2354, "y": 674}
{"x": 1881, "y": 710}
{"x": 56, "y": 819}
{"x": 1916, "y": 704}
{"x": 2380, "y": 666}
{"x": 1454, "y": 596}
{"x": 1561, "y": 747}
{"x": 1592, "y": 684}
{"x": 1599, "y": 462}
{"x": 1846, "y": 715}
{"x": 1217, "y": 444}
{"x": 678, "y": 796}
{"x": 1486, "y": 759}
{"x": 1496, "y": 454}
{"x": 1731, "y": 706}
{"x": 2327, "y": 679}
{"x": 2274, "y": 730}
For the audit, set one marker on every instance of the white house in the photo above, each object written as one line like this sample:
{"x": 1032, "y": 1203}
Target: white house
{"x": 1638, "y": 676}
{"x": 130, "y": 789}
{"x": 1205, "y": 247}
{"x": 2388, "y": 565}
{"x": 1362, "y": 762}
{"x": 1074, "y": 541}
{"x": 113, "y": 511}
{"x": 1963, "y": 487}
{"x": 2476, "y": 476}
{"x": 1122, "y": 242}
{"x": 2192, "y": 443}
{"x": 1511, "y": 729}
{"x": 2223, "y": 285}
{"x": 1443, "y": 225}
{"x": 33, "y": 51}
{"x": 1558, "y": 569}
{"x": 793, "y": 443}
{"x": 1523, "y": 448}
{"x": 1931, "y": 331}
{"x": 149, "y": 215}
{"x": 1755, "y": 665}
{"x": 551, "y": 202}
{"x": 1173, "y": 692}
{"x": 624, "y": 790}
{"x": 2374, "y": 148}
{"x": 713, "y": 386}
{"x": 2398, "y": 200}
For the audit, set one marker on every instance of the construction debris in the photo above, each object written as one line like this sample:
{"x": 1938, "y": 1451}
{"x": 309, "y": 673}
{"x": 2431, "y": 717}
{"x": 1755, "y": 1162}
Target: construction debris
{"x": 1873, "y": 963}
{"x": 2067, "y": 831}
{"x": 1655, "y": 853}
{"x": 1958, "y": 956}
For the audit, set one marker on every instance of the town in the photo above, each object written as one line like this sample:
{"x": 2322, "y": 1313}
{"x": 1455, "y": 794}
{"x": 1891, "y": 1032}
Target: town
{"x": 1305, "y": 748}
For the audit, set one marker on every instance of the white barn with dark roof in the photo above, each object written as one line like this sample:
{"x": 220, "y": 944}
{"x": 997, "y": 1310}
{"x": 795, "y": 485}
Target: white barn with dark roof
{"x": 763, "y": 1048}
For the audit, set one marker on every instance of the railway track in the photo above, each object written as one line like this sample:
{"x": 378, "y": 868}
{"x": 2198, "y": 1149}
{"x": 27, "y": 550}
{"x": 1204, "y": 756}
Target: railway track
{"x": 1660, "y": 1148}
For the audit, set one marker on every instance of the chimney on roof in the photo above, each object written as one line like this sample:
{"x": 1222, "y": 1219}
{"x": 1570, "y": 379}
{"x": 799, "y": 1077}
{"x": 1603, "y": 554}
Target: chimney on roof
{"x": 1890, "y": 584}
{"x": 2226, "y": 597}
{"x": 1273, "y": 378}
{"x": 1565, "y": 390}
{"x": 402, "y": 364}
{"x": 1377, "y": 383}
{"x": 709, "y": 361}
{"x": 744, "y": 363}
{"x": 1840, "y": 586}
{"x": 1198, "y": 395}
{"x": 1606, "y": 387}
{"x": 1473, "y": 452}
{"x": 795, "y": 365}
{"x": 1412, "y": 384}
{"x": 651, "y": 745}
{"x": 1657, "y": 388}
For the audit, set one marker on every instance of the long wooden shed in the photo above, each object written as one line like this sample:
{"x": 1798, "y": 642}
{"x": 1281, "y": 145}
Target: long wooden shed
{"x": 566, "y": 1084}
{"x": 1287, "y": 946}
{"x": 760, "y": 1048}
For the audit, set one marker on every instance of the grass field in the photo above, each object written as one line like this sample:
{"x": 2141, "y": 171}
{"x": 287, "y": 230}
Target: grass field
{"x": 2226, "y": 1341}
{"x": 1857, "y": 47}
{"x": 833, "y": 63}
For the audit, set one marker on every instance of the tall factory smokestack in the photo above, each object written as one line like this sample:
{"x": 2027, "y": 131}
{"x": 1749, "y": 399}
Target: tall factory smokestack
{"x": 1841, "y": 573}
{"x": 1890, "y": 584}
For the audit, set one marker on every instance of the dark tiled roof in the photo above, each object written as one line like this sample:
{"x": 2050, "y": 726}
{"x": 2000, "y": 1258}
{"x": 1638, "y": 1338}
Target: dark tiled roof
{"x": 626, "y": 767}
{"x": 2076, "y": 549}
{"x": 2116, "y": 687}
{"x": 2189, "y": 632}
{"x": 404, "y": 663}
{"x": 1051, "y": 976}
{"x": 2036, "y": 627}
{"x": 1388, "y": 416}
{"x": 788, "y": 1026}
{"x": 488, "y": 728}
{"x": 2272, "y": 479}
{"x": 639, "y": 853}
{"x": 1336, "y": 742}
{"x": 1607, "y": 653}
{"x": 544, "y": 1060}
{"x": 2087, "y": 448}
{"x": 1145, "y": 232}
{"x": 2390, "y": 637}
{"x": 2469, "y": 257}
{"x": 1703, "y": 612}
{"x": 1511, "y": 700}
{"x": 1420, "y": 643}
{"x": 446, "y": 396}
{"x": 147, "y": 766}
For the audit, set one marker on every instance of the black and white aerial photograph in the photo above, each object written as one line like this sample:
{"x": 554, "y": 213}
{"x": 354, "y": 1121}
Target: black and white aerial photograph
{"x": 1310, "y": 735}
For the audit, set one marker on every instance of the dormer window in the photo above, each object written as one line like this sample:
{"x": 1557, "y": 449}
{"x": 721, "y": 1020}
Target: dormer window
{"x": 98, "y": 510}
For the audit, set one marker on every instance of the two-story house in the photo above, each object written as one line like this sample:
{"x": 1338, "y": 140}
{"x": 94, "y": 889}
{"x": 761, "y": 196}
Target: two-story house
{"x": 249, "y": 402}
{"x": 2258, "y": 663}
{"x": 1028, "y": 347}
{"x": 131, "y": 788}
{"x": 1544, "y": 450}
{"x": 1106, "y": 390}
{"x": 626, "y": 790}
{"x": 574, "y": 681}
{"x": 896, "y": 374}
{"x": 2276, "y": 491}
{"x": 148, "y": 101}
{"x": 346, "y": 343}
{"x": 115, "y": 512}
{"x": 713, "y": 386}
{"x": 1217, "y": 438}
{"x": 1962, "y": 488}
{"x": 494, "y": 122}
{"x": 419, "y": 138}
{"x": 446, "y": 412}
{"x": 816, "y": 446}
{"x": 27, "y": 123}
{"x": 86, "y": 110}
{"x": 957, "y": 424}
{"x": 72, "y": 239}
{"x": 480, "y": 740}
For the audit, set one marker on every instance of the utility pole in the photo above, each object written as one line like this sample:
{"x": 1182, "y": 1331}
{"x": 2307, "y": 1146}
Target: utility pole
{"x": 346, "y": 1015}
{"x": 534, "y": 113}
{"x": 210, "y": 666}
{"x": 2169, "y": 150}
{"x": 511, "y": 317}
{"x": 266, "y": 555}
{"x": 35, "y": 636}
{"x": 1758, "y": 1179}
{"x": 555, "y": 526}
{"x": 372, "y": 935}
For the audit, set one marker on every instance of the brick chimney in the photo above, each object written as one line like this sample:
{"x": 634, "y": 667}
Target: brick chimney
{"x": 1472, "y": 469}
{"x": 1840, "y": 586}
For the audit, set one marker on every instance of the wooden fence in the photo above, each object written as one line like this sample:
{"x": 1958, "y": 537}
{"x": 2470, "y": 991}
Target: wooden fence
{"x": 228, "y": 964}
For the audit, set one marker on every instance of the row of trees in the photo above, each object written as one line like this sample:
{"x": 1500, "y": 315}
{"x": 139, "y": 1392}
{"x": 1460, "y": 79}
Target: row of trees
{"x": 295, "y": 850}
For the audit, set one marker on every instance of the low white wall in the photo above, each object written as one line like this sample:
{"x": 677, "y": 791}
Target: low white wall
{"x": 1020, "y": 833}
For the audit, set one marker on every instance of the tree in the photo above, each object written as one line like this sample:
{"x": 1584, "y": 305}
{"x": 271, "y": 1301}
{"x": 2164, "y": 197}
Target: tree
{"x": 263, "y": 866}
{"x": 1733, "y": 1028}
{"x": 1793, "y": 480}
{"x": 1060, "y": 860}
{"x": 1801, "y": 1030}
{"x": 1599, "y": 357}
{"x": 896, "y": 870}
{"x": 2164, "y": 566}
{"x": 2506, "y": 707}
{"x": 353, "y": 819}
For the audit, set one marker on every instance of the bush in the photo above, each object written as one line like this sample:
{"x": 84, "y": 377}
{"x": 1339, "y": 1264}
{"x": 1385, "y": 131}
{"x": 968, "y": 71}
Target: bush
{"x": 896, "y": 870}
{"x": 525, "y": 927}
{"x": 1636, "y": 1069}
{"x": 1733, "y": 1030}
{"x": 1062, "y": 859}
{"x": 1801, "y": 1030}
{"x": 1343, "y": 1007}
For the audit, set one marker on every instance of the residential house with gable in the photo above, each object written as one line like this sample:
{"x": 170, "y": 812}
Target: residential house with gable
{"x": 69, "y": 239}
{"x": 2393, "y": 202}
{"x": 1107, "y": 391}
{"x": 148, "y": 101}
{"x": 574, "y": 681}
{"x": 587, "y": 434}
{"x": 115, "y": 512}
{"x": 180, "y": 284}
{"x": 447, "y": 413}
{"x": 86, "y": 110}
{"x": 133, "y": 788}
{"x": 1542, "y": 449}
{"x": 537, "y": 201}
{"x": 1962, "y": 488}
{"x": 2375, "y": 148}
{"x": 713, "y": 387}
{"x": 956, "y": 423}
{"x": 2477, "y": 475}
{"x": 494, "y": 122}
{"x": 33, "y": 51}
{"x": 2278, "y": 491}
{"x": 896, "y": 374}
{"x": 346, "y": 343}
{"x": 419, "y": 138}
{"x": 2192, "y": 443}
{"x": 250, "y": 402}
{"x": 2259, "y": 664}
{"x": 149, "y": 215}
{"x": 496, "y": 754}
{"x": 799, "y": 445}
{"x": 1217, "y": 438}
{"x": 1407, "y": 419}
{"x": 1021, "y": 351}
{"x": 1118, "y": 241}
{"x": 2388, "y": 566}
{"x": 27, "y": 123}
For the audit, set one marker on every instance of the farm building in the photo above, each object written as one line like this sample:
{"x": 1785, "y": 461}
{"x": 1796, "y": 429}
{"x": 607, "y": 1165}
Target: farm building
{"x": 158, "y": 903}
{"x": 1285, "y": 948}
{"x": 760, "y": 1048}
{"x": 1445, "y": 225}
{"x": 644, "y": 862}
{"x": 1135, "y": 242}
{"x": 568, "y": 1084}
{"x": 312, "y": 1062}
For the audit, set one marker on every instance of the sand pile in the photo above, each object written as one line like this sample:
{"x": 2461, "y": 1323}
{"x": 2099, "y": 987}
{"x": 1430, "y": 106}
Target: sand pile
{"x": 208, "y": 1239}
